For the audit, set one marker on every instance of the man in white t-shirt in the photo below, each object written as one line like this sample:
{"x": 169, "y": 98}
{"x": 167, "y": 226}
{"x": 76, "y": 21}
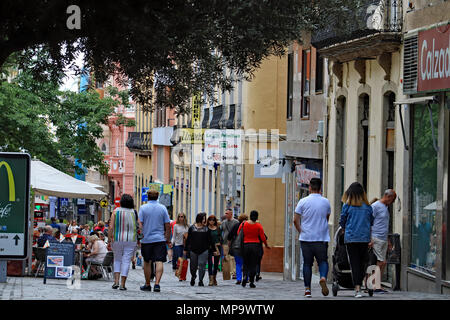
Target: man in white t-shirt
{"x": 311, "y": 221}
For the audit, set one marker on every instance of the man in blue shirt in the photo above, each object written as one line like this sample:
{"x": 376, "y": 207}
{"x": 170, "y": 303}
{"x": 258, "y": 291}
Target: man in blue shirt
{"x": 380, "y": 230}
{"x": 54, "y": 225}
{"x": 154, "y": 222}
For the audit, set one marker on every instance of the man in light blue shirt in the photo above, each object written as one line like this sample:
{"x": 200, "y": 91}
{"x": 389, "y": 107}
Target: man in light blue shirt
{"x": 154, "y": 222}
{"x": 311, "y": 220}
{"x": 380, "y": 229}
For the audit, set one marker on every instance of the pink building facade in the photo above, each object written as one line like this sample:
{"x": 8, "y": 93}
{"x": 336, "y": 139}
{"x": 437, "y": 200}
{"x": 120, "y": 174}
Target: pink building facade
{"x": 118, "y": 157}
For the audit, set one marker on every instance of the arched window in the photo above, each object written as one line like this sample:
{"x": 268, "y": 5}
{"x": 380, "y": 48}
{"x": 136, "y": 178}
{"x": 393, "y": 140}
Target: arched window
{"x": 104, "y": 148}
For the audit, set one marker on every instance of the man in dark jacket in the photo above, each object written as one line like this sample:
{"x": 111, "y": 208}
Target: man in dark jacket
{"x": 47, "y": 236}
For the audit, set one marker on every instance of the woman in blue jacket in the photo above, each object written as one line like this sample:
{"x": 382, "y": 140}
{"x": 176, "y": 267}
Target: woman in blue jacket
{"x": 357, "y": 220}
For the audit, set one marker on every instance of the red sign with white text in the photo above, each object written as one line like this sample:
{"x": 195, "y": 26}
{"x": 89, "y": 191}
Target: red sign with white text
{"x": 434, "y": 59}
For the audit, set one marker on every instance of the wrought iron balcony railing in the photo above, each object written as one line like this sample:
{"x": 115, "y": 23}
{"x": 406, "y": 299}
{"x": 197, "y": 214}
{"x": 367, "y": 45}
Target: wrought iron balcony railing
{"x": 139, "y": 142}
{"x": 371, "y": 17}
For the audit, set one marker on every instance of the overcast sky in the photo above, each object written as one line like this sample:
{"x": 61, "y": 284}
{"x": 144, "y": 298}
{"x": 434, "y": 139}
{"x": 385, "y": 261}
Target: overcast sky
{"x": 71, "y": 80}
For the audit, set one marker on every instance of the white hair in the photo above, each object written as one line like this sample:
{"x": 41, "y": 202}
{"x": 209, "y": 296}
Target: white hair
{"x": 390, "y": 193}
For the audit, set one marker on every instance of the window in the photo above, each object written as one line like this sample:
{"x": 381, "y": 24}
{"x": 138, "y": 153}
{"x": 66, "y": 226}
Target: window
{"x": 160, "y": 163}
{"x": 290, "y": 80}
{"x": 306, "y": 71}
{"x": 424, "y": 189}
{"x": 306, "y": 76}
{"x": 319, "y": 73}
{"x": 104, "y": 149}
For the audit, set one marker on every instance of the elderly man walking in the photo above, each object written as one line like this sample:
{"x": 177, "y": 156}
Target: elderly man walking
{"x": 380, "y": 230}
{"x": 226, "y": 227}
{"x": 154, "y": 221}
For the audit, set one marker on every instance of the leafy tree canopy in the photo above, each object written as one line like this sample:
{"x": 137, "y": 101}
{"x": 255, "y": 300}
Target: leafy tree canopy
{"x": 54, "y": 126}
{"x": 182, "y": 44}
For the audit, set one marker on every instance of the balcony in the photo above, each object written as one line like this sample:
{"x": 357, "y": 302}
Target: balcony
{"x": 140, "y": 142}
{"x": 375, "y": 28}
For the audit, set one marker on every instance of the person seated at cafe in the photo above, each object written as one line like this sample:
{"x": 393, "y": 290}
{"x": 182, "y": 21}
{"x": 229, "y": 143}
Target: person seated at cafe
{"x": 85, "y": 232}
{"x": 75, "y": 237}
{"x": 97, "y": 253}
{"x": 102, "y": 237}
{"x": 47, "y": 236}
{"x": 58, "y": 235}
{"x": 100, "y": 226}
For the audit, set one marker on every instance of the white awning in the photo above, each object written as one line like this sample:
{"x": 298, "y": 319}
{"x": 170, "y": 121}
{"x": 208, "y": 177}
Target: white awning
{"x": 431, "y": 206}
{"x": 415, "y": 100}
{"x": 93, "y": 185}
{"x": 48, "y": 181}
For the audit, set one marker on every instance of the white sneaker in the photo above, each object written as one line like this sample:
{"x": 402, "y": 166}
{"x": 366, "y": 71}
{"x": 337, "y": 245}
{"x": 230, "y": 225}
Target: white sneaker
{"x": 307, "y": 293}
{"x": 358, "y": 294}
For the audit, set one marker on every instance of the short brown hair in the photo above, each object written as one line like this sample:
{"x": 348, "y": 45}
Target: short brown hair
{"x": 153, "y": 195}
{"x": 242, "y": 217}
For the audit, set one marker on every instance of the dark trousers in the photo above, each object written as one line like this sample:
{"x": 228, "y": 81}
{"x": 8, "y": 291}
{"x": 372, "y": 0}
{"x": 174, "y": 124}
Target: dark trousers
{"x": 213, "y": 264}
{"x": 198, "y": 261}
{"x": 358, "y": 255}
{"x": 251, "y": 256}
{"x": 311, "y": 250}
{"x": 177, "y": 253}
{"x": 258, "y": 266}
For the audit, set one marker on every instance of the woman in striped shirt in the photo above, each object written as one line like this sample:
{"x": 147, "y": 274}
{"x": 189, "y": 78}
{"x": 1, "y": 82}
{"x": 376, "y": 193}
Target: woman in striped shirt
{"x": 122, "y": 238}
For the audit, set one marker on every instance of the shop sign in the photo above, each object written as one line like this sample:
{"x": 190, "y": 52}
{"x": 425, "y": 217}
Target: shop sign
{"x": 14, "y": 204}
{"x": 434, "y": 59}
{"x": 196, "y": 110}
{"x": 191, "y": 136}
{"x": 223, "y": 146}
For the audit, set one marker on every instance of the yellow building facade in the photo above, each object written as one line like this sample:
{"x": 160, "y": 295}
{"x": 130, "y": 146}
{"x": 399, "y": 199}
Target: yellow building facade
{"x": 255, "y": 108}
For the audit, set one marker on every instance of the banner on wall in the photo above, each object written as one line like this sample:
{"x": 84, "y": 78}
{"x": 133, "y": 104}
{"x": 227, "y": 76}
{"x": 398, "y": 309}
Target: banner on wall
{"x": 304, "y": 175}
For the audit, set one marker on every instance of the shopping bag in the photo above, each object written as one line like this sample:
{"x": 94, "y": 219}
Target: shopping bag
{"x": 179, "y": 267}
{"x": 184, "y": 268}
{"x": 226, "y": 268}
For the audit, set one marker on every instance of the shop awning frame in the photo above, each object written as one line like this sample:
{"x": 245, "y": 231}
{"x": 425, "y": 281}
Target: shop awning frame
{"x": 419, "y": 100}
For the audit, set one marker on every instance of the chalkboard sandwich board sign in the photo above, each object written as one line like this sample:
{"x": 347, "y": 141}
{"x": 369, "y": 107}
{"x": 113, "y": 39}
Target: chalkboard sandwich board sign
{"x": 59, "y": 260}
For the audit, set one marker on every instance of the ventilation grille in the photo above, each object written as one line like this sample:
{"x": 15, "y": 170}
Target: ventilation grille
{"x": 410, "y": 58}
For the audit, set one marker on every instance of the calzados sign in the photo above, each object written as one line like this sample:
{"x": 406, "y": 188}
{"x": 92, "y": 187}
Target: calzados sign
{"x": 434, "y": 59}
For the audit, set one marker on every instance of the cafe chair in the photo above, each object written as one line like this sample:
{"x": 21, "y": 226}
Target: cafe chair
{"x": 105, "y": 266}
{"x": 39, "y": 254}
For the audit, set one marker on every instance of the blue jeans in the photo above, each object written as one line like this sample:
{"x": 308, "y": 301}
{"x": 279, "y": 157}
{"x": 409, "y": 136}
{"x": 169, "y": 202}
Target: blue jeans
{"x": 309, "y": 251}
{"x": 177, "y": 253}
{"x": 239, "y": 263}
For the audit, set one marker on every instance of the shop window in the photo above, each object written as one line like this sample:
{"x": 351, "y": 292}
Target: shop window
{"x": 424, "y": 188}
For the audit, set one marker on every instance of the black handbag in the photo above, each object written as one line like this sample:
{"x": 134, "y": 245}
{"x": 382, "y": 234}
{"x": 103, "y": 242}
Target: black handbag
{"x": 237, "y": 246}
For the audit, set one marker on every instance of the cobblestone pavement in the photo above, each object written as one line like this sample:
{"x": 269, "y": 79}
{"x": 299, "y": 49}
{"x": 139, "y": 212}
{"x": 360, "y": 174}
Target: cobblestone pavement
{"x": 271, "y": 287}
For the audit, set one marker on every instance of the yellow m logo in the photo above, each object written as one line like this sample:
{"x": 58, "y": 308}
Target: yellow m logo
{"x": 12, "y": 187}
